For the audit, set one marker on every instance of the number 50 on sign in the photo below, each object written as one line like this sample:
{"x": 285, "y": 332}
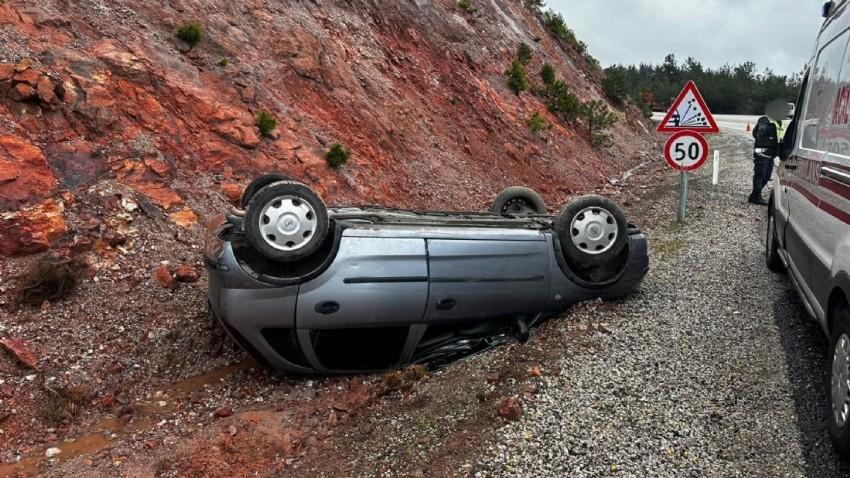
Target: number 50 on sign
{"x": 686, "y": 151}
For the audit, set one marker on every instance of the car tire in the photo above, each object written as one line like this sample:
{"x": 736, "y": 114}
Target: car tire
{"x": 771, "y": 244}
{"x": 518, "y": 201}
{"x": 259, "y": 183}
{"x": 592, "y": 230}
{"x": 286, "y": 221}
{"x": 838, "y": 373}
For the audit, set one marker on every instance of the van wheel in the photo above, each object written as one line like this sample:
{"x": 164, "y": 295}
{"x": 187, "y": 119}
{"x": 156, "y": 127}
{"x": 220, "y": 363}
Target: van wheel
{"x": 259, "y": 183}
{"x": 592, "y": 230}
{"x": 286, "y": 221}
{"x": 518, "y": 201}
{"x": 771, "y": 243}
{"x": 839, "y": 380}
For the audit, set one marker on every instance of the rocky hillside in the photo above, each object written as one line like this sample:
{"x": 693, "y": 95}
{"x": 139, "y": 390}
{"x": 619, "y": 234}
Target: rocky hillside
{"x": 100, "y": 103}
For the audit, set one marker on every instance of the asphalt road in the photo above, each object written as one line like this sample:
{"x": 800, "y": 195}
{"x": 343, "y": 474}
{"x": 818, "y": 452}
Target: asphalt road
{"x": 712, "y": 368}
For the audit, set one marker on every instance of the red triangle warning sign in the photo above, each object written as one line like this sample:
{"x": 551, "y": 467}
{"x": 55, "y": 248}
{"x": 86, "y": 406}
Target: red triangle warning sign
{"x": 688, "y": 112}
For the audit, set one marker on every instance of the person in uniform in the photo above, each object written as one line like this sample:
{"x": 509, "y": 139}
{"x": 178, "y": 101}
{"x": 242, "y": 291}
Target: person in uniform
{"x": 767, "y": 134}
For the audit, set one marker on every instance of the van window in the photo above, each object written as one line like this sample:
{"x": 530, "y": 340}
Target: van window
{"x": 820, "y": 101}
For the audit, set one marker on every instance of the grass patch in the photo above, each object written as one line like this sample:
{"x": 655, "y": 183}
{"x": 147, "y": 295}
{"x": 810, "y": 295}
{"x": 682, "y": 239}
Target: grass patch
{"x": 667, "y": 248}
{"x": 467, "y": 6}
{"x": 64, "y": 404}
{"x": 48, "y": 279}
{"x": 224, "y": 62}
{"x": 337, "y": 155}
{"x": 191, "y": 32}
{"x": 538, "y": 123}
{"x": 265, "y": 122}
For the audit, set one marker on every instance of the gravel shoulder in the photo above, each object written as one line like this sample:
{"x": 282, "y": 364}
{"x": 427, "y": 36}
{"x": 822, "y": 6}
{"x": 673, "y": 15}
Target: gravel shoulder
{"x": 712, "y": 369}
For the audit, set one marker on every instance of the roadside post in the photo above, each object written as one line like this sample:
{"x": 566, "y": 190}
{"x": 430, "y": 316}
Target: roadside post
{"x": 687, "y": 150}
{"x": 716, "y": 165}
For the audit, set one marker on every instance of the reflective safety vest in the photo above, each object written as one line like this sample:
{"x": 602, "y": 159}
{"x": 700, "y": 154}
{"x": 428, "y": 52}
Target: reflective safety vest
{"x": 779, "y": 129}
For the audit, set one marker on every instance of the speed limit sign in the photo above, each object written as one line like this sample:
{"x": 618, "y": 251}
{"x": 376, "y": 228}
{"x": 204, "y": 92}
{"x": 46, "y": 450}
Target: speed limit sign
{"x": 686, "y": 151}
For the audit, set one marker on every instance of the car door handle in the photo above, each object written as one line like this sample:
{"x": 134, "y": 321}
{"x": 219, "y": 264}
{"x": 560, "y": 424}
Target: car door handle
{"x": 790, "y": 167}
{"x": 327, "y": 307}
{"x": 446, "y": 304}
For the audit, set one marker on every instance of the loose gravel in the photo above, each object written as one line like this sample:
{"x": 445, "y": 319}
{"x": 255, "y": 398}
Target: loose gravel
{"x": 712, "y": 368}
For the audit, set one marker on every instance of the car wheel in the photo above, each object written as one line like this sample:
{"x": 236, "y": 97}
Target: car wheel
{"x": 259, "y": 183}
{"x": 592, "y": 230}
{"x": 286, "y": 221}
{"x": 771, "y": 248}
{"x": 839, "y": 380}
{"x": 518, "y": 201}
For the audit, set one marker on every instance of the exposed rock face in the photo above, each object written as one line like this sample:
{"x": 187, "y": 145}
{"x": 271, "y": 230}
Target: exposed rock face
{"x": 415, "y": 89}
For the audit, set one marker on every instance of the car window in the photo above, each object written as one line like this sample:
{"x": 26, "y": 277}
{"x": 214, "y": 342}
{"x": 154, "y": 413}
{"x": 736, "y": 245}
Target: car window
{"x": 820, "y": 101}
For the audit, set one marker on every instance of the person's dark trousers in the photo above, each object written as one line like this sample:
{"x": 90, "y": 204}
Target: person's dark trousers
{"x": 768, "y": 171}
{"x": 762, "y": 168}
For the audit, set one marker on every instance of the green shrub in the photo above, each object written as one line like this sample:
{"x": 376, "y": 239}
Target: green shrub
{"x": 598, "y": 118}
{"x": 538, "y": 123}
{"x": 647, "y": 112}
{"x": 555, "y": 23}
{"x": 454, "y": 100}
{"x": 535, "y": 5}
{"x": 547, "y": 73}
{"x": 560, "y": 101}
{"x": 224, "y": 62}
{"x": 191, "y": 33}
{"x": 524, "y": 53}
{"x": 265, "y": 122}
{"x": 466, "y": 5}
{"x": 337, "y": 155}
{"x": 614, "y": 85}
{"x": 516, "y": 77}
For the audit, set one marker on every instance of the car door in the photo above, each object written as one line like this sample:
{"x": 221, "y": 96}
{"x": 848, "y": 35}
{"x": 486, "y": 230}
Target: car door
{"x": 818, "y": 136}
{"x": 489, "y": 278}
{"x": 373, "y": 281}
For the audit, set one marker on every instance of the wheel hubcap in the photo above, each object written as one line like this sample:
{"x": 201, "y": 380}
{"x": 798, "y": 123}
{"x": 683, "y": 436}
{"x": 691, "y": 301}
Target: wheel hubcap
{"x": 841, "y": 381}
{"x": 518, "y": 207}
{"x": 287, "y": 223}
{"x": 594, "y": 230}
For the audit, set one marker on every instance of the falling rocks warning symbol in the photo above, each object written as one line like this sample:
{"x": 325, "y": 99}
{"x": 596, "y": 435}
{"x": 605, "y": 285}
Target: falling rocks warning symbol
{"x": 689, "y": 112}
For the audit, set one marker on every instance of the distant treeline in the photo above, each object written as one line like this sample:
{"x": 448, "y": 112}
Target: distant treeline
{"x": 730, "y": 89}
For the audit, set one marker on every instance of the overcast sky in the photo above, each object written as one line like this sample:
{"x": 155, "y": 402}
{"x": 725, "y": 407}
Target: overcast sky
{"x": 778, "y": 34}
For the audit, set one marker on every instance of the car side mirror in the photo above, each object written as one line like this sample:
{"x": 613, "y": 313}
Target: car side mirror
{"x": 827, "y": 9}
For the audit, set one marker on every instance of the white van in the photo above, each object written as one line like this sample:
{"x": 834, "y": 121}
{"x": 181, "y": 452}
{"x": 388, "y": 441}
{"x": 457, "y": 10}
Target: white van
{"x": 808, "y": 231}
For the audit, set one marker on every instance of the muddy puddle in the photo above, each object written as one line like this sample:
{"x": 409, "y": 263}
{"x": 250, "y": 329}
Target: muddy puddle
{"x": 111, "y": 430}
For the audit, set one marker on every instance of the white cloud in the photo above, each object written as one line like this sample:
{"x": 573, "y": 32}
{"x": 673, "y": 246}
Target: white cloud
{"x": 776, "y": 34}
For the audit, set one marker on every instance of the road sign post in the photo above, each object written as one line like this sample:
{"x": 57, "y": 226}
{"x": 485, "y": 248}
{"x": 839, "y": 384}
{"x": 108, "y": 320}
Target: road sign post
{"x": 686, "y": 151}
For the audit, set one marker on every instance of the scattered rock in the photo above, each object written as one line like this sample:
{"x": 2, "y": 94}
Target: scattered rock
{"x": 19, "y": 349}
{"x": 52, "y": 451}
{"x": 108, "y": 400}
{"x": 46, "y": 92}
{"x": 81, "y": 244}
{"x": 29, "y": 77}
{"x": 535, "y": 371}
{"x": 114, "y": 238}
{"x": 186, "y": 273}
{"x": 23, "y": 64}
{"x": 22, "y": 92}
{"x": 510, "y": 409}
{"x": 163, "y": 277}
{"x": 233, "y": 192}
{"x": 223, "y": 412}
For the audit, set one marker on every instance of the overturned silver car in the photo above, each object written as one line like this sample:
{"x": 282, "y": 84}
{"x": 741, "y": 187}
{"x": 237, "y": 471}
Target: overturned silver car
{"x": 306, "y": 289}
